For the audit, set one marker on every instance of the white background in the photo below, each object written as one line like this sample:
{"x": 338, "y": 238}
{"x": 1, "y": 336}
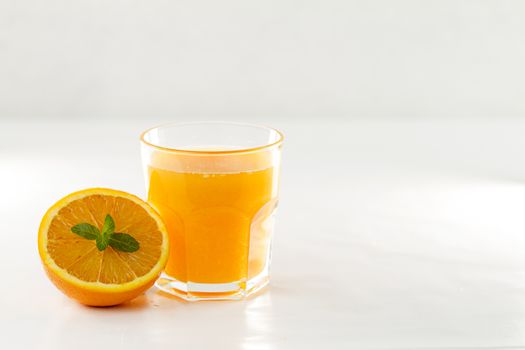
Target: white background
{"x": 401, "y": 219}
{"x": 233, "y": 59}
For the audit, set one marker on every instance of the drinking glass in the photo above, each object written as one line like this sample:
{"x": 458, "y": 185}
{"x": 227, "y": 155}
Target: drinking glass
{"x": 216, "y": 185}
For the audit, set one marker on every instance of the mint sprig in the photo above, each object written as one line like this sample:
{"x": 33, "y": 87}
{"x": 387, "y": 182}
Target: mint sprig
{"x": 119, "y": 241}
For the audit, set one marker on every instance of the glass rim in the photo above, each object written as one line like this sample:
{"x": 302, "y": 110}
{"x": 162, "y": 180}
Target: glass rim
{"x": 218, "y": 152}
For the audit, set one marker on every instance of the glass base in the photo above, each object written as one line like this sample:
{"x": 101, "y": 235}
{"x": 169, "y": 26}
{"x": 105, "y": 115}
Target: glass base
{"x": 192, "y": 291}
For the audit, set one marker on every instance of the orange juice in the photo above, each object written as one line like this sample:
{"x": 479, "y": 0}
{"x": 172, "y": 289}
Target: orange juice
{"x": 215, "y": 184}
{"x": 218, "y": 218}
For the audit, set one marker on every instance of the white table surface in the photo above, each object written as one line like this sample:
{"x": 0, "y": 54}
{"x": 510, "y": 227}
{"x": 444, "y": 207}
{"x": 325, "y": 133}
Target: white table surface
{"x": 390, "y": 234}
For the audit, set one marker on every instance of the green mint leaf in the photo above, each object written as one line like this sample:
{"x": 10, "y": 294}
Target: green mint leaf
{"x": 108, "y": 228}
{"x": 102, "y": 244}
{"x": 123, "y": 242}
{"x": 86, "y": 231}
{"x": 119, "y": 241}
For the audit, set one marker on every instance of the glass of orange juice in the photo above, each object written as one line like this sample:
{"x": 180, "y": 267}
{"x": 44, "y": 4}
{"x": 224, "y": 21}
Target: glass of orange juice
{"x": 216, "y": 185}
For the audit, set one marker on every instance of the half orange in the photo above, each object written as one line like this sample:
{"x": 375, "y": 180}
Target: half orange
{"x": 109, "y": 276}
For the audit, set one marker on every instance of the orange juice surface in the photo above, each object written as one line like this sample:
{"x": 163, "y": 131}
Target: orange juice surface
{"x": 217, "y": 219}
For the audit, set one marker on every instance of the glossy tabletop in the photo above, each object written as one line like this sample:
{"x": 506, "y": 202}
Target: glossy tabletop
{"x": 390, "y": 234}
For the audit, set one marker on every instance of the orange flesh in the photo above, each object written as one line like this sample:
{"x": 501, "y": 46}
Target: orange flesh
{"x": 80, "y": 257}
{"x": 216, "y": 221}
